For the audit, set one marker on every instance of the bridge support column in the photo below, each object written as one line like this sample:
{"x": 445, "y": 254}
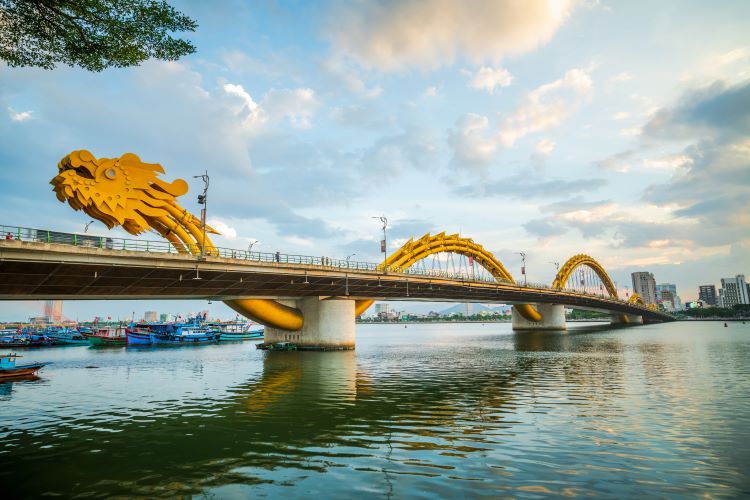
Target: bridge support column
{"x": 329, "y": 325}
{"x": 627, "y": 319}
{"x": 553, "y": 318}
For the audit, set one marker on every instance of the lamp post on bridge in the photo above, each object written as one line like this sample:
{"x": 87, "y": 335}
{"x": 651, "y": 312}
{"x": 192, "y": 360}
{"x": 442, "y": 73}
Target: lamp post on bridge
{"x": 523, "y": 266}
{"x": 383, "y": 242}
{"x": 202, "y": 198}
{"x": 86, "y": 227}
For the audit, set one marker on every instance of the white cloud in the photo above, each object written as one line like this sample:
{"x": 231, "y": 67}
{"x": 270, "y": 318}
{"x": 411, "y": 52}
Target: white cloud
{"x": 621, "y": 77}
{"x": 733, "y": 56}
{"x": 253, "y": 114}
{"x": 670, "y": 162}
{"x": 546, "y": 106}
{"x": 398, "y": 34}
{"x": 489, "y": 79}
{"x": 630, "y": 132}
{"x": 296, "y": 105}
{"x": 622, "y": 115}
{"x": 19, "y": 116}
{"x": 227, "y": 231}
{"x": 545, "y": 147}
{"x": 431, "y": 91}
{"x": 471, "y": 146}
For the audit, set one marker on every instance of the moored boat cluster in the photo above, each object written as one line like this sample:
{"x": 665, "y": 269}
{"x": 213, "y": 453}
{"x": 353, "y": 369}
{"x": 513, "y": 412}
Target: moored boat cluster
{"x": 156, "y": 333}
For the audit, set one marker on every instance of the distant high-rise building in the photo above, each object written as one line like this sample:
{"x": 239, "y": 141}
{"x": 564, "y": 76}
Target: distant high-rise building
{"x": 151, "y": 316}
{"x": 53, "y": 311}
{"x": 468, "y": 309}
{"x": 381, "y": 308}
{"x": 734, "y": 291}
{"x": 707, "y": 293}
{"x": 644, "y": 285}
{"x": 667, "y": 299}
{"x": 672, "y": 296}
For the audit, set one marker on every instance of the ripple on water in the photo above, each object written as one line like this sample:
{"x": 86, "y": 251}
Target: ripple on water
{"x": 448, "y": 410}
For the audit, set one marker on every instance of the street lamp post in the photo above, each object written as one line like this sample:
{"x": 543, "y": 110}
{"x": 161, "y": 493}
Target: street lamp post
{"x": 523, "y": 266}
{"x": 383, "y": 242}
{"x": 349, "y": 257}
{"x": 250, "y": 246}
{"x": 86, "y": 227}
{"x": 202, "y": 198}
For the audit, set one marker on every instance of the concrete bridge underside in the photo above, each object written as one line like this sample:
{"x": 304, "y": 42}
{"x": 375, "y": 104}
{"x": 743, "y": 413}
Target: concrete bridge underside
{"x": 36, "y": 271}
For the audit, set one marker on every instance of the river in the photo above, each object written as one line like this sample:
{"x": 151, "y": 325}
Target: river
{"x": 429, "y": 410}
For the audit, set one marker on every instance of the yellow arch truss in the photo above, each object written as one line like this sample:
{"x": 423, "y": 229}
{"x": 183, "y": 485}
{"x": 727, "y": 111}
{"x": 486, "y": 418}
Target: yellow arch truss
{"x": 415, "y": 250}
{"x": 577, "y": 261}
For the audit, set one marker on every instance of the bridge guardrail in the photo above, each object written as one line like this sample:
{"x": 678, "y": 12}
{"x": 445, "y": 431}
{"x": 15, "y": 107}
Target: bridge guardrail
{"x": 160, "y": 246}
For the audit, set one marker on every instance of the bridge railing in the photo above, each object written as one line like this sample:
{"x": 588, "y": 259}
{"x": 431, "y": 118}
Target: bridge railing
{"x": 164, "y": 247}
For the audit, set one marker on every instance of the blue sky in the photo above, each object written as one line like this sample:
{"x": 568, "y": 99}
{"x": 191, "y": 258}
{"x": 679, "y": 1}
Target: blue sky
{"x": 617, "y": 129}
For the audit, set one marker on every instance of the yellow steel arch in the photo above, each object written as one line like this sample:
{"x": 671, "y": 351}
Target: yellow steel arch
{"x": 583, "y": 260}
{"x": 415, "y": 250}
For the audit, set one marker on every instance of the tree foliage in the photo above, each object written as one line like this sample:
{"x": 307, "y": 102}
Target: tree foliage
{"x": 92, "y": 34}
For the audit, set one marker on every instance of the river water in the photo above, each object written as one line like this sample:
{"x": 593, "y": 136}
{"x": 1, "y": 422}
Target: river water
{"x": 430, "y": 410}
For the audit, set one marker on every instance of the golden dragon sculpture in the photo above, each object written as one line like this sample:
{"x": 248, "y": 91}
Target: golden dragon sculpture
{"x": 128, "y": 192}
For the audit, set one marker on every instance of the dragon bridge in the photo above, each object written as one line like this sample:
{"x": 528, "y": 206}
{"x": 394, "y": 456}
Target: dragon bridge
{"x": 127, "y": 192}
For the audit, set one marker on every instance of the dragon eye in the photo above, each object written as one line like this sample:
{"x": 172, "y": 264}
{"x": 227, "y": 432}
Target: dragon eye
{"x": 111, "y": 173}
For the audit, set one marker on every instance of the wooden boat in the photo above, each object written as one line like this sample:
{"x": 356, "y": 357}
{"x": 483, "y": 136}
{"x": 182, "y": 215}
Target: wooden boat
{"x": 278, "y": 346}
{"x": 108, "y": 336}
{"x": 63, "y": 335}
{"x": 138, "y": 335}
{"x": 9, "y": 368}
{"x": 12, "y": 338}
{"x": 237, "y": 330}
{"x": 186, "y": 335}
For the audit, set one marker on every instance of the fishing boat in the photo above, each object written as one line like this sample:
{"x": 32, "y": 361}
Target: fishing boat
{"x": 9, "y": 368}
{"x": 64, "y": 335}
{"x": 185, "y": 335}
{"x": 14, "y": 338}
{"x": 140, "y": 333}
{"x": 237, "y": 330}
{"x": 108, "y": 336}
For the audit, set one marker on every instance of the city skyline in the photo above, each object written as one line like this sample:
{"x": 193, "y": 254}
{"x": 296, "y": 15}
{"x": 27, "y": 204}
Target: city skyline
{"x": 617, "y": 130}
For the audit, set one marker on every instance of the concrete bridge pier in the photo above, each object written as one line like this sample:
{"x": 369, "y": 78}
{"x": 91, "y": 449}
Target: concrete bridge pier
{"x": 553, "y": 318}
{"x": 627, "y": 319}
{"x": 329, "y": 325}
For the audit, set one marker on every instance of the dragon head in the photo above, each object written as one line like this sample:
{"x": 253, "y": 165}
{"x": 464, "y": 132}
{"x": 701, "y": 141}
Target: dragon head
{"x": 120, "y": 191}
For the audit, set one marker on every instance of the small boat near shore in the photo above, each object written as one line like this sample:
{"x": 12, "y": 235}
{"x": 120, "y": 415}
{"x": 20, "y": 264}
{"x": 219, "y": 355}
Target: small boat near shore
{"x": 278, "y": 346}
{"x": 9, "y": 368}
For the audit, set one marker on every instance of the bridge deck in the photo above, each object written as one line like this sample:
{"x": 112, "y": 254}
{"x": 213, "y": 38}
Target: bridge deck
{"x": 33, "y": 270}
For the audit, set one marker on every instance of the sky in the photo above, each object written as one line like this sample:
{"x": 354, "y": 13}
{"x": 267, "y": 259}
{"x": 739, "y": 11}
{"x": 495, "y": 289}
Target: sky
{"x": 616, "y": 129}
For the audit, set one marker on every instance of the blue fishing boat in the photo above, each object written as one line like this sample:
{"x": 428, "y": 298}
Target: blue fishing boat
{"x": 237, "y": 330}
{"x": 9, "y": 368}
{"x": 185, "y": 335}
{"x": 140, "y": 333}
{"x": 64, "y": 335}
{"x": 14, "y": 338}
